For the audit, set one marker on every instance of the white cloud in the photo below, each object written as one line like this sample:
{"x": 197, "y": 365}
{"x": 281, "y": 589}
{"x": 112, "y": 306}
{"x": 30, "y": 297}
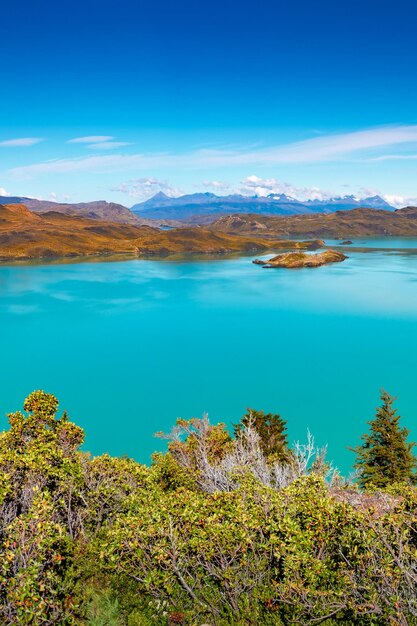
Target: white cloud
{"x": 353, "y": 146}
{"x": 55, "y": 197}
{"x": 144, "y": 188}
{"x": 263, "y": 187}
{"x": 217, "y": 185}
{"x": 21, "y": 142}
{"x": 396, "y": 200}
{"x": 3, "y": 192}
{"x": 253, "y": 185}
{"x": 399, "y": 201}
{"x": 90, "y": 139}
{"x": 108, "y": 145}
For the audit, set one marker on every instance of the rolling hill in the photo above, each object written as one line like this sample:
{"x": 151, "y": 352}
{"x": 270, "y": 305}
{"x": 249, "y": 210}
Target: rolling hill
{"x": 99, "y": 210}
{"x": 26, "y": 235}
{"x": 359, "y": 222}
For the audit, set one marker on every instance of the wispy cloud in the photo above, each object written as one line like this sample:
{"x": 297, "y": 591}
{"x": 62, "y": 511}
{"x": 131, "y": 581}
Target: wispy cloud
{"x": 220, "y": 186}
{"x": 91, "y": 139}
{"x": 394, "y": 157}
{"x": 99, "y": 142}
{"x": 21, "y": 142}
{"x": 108, "y": 145}
{"x": 4, "y": 192}
{"x": 329, "y": 148}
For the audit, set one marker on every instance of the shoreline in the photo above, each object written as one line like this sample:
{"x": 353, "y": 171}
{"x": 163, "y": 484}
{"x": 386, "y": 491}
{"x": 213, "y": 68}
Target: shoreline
{"x": 114, "y": 257}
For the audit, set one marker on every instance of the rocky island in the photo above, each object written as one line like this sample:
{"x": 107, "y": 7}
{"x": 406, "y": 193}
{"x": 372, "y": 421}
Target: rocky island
{"x": 301, "y": 259}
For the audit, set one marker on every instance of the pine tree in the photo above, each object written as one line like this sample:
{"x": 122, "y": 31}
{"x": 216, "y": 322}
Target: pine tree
{"x": 385, "y": 457}
{"x": 271, "y": 429}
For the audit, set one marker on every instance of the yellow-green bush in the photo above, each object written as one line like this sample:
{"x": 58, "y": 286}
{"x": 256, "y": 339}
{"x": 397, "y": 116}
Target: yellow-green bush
{"x": 217, "y": 531}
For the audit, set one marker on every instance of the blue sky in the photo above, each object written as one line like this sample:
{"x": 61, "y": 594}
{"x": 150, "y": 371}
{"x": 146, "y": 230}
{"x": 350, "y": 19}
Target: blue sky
{"x": 312, "y": 98}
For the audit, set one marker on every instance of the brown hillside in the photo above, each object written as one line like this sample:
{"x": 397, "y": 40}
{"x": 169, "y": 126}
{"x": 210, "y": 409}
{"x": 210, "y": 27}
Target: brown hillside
{"x": 341, "y": 224}
{"x": 26, "y": 235}
{"x": 99, "y": 210}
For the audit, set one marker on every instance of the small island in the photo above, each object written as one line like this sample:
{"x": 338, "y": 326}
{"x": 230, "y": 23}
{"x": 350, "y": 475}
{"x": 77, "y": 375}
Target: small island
{"x": 301, "y": 259}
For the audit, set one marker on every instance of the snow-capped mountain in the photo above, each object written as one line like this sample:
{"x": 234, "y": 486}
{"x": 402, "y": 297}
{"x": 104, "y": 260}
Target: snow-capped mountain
{"x": 162, "y": 206}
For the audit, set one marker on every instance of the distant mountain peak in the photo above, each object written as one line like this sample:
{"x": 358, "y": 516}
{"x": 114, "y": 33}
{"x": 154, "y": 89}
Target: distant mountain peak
{"x": 206, "y": 204}
{"x": 375, "y": 202}
{"x": 281, "y": 197}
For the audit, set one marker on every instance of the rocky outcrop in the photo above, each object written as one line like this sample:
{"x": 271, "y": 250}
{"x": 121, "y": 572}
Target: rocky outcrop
{"x": 301, "y": 259}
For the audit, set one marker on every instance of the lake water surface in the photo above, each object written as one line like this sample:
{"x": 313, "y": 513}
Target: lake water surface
{"x": 130, "y": 346}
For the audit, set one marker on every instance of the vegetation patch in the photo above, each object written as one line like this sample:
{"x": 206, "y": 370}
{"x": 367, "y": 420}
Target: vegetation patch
{"x": 222, "y": 529}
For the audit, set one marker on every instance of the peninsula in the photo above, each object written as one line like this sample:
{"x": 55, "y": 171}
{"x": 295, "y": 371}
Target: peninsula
{"x": 26, "y": 235}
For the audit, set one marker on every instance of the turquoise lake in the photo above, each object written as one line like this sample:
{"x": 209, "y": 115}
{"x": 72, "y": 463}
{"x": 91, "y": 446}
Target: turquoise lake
{"x": 129, "y": 346}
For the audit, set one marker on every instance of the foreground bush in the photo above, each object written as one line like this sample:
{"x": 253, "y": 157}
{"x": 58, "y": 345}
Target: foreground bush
{"x": 220, "y": 530}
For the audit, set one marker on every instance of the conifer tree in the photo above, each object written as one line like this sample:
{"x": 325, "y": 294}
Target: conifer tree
{"x": 385, "y": 457}
{"x": 271, "y": 429}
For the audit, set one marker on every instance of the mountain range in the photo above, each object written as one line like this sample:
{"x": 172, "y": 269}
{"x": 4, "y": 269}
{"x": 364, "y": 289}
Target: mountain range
{"x": 197, "y": 208}
{"x": 205, "y": 207}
